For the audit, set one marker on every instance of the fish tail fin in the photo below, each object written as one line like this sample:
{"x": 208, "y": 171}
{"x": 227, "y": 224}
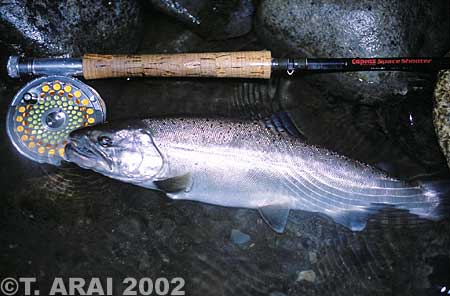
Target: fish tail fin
{"x": 433, "y": 204}
{"x": 438, "y": 194}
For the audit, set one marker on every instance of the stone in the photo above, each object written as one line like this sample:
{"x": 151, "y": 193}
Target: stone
{"x": 277, "y": 293}
{"x": 238, "y": 237}
{"x": 312, "y": 257}
{"x": 69, "y": 28}
{"x": 441, "y": 112}
{"x": 211, "y": 19}
{"x": 306, "y": 275}
{"x": 337, "y": 28}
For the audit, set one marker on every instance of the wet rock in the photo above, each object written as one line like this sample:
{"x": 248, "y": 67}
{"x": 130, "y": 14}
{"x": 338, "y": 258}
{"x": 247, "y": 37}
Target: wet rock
{"x": 130, "y": 228}
{"x": 144, "y": 263}
{"x": 411, "y": 123}
{"x": 164, "y": 35}
{"x": 306, "y": 275}
{"x": 211, "y": 19}
{"x": 312, "y": 257}
{"x": 336, "y": 28}
{"x": 69, "y": 28}
{"x": 441, "y": 112}
{"x": 276, "y": 293}
{"x": 238, "y": 237}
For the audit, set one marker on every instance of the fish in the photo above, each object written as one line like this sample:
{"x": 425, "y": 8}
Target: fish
{"x": 254, "y": 164}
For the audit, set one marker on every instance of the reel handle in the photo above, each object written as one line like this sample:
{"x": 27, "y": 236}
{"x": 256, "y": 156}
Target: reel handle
{"x": 244, "y": 64}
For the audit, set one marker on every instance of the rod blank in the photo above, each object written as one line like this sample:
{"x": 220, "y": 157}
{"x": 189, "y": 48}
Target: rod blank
{"x": 360, "y": 64}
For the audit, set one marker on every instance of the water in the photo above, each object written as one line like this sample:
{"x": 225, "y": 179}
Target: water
{"x": 70, "y": 222}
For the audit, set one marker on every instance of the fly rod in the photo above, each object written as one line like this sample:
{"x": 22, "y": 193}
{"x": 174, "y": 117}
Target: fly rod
{"x": 44, "y": 112}
{"x": 244, "y": 64}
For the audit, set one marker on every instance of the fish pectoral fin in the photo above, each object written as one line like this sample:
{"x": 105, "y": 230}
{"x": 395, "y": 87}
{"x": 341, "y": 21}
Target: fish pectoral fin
{"x": 275, "y": 216}
{"x": 175, "y": 184}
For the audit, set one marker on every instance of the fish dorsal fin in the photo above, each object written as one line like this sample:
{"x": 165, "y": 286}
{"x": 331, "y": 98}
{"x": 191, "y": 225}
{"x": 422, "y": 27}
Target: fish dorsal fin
{"x": 175, "y": 184}
{"x": 282, "y": 123}
{"x": 275, "y": 216}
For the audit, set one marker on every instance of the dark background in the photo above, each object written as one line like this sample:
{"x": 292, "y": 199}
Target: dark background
{"x": 65, "y": 221}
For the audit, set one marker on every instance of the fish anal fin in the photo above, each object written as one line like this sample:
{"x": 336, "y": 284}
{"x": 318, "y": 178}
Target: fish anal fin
{"x": 355, "y": 221}
{"x": 175, "y": 184}
{"x": 276, "y": 216}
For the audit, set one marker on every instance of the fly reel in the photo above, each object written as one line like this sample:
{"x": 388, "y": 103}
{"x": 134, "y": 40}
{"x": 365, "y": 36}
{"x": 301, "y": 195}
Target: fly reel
{"x": 45, "y": 111}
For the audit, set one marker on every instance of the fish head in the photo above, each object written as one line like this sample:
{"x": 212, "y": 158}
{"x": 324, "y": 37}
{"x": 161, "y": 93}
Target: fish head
{"x": 126, "y": 152}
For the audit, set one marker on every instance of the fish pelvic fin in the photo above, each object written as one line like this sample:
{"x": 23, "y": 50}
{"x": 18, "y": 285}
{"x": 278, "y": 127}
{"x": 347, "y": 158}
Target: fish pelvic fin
{"x": 276, "y": 216}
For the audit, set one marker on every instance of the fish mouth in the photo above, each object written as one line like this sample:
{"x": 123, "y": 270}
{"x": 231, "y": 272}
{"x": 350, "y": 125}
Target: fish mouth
{"x": 84, "y": 154}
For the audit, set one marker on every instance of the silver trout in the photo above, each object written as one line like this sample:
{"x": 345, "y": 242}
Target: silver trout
{"x": 245, "y": 164}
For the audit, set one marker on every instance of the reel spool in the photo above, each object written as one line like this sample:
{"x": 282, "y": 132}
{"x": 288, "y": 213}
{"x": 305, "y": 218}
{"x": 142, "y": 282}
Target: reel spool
{"x": 45, "y": 111}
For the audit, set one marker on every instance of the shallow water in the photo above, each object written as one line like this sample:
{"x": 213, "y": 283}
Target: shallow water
{"x": 70, "y": 222}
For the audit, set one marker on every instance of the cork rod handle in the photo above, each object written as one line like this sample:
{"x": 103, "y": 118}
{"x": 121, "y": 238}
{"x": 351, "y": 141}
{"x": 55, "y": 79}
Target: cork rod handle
{"x": 245, "y": 64}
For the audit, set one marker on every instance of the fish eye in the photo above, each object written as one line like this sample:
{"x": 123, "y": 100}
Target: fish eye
{"x": 104, "y": 141}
